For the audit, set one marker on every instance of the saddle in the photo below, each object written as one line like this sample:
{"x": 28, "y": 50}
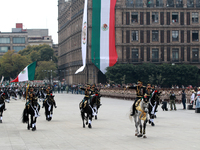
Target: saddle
{"x": 137, "y": 107}
{"x": 83, "y": 103}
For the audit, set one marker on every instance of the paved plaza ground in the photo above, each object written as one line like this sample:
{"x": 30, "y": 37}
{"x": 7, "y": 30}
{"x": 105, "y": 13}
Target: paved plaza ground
{"x": 174, "y": 130}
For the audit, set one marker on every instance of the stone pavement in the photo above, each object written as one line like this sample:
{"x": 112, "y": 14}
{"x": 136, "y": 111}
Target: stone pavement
{"x": 174, "y": 130}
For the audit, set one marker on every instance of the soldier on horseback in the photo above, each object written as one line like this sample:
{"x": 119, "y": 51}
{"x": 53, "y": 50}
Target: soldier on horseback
{"x": 86, "y": 99}
{"x": 140, "y": 91}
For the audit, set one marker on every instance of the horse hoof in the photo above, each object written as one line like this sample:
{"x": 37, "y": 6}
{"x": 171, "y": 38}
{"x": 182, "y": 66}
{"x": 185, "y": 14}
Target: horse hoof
{"x": 83, "y": 126}
{"x": 136, "y": 134}
{"x": 96, "y": 117}
{"x": 33, "y": 129}
{"x": 86, "y": 123}
{"x": 89, "y": 126}
{"x": 28, "y": 128}
{"x": 0, "y": 121}
{"x": 144, "y": 137}
{"x": 140, "y": 135}
{"x": 152, "y": 124}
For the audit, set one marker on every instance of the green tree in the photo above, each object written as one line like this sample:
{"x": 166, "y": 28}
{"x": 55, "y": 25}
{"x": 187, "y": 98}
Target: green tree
{"x": 39, "y": 53}
{"x": 12, "y": 63}
{"x": 44, "y": 69}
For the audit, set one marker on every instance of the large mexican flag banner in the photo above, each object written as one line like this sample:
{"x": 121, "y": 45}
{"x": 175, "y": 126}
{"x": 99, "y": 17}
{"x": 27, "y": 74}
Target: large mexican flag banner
{"x": 103, "y": 52}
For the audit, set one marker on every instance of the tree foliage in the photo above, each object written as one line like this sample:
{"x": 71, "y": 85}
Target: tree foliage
{"x": 39, "y": 53}
{"x": 12, "y": 63}
{"x": 44, "y": 70}
{"x": 164, "y": 75}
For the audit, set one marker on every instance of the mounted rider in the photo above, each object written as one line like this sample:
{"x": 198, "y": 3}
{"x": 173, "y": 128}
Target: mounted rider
{"x": 140, "y": 91}
{"x": 87, "y": 97}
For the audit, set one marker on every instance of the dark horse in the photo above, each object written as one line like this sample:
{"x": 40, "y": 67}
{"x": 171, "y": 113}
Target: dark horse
{"x": 9, "y": 93}
{"x": 48, "y": 104}
{"x": 153, "y": 104}
{"x": 40, "y": 94}
{"x": 96, "y": 103}
{"x": 86, "y": 112}
{"x": 2, "y": 105}
{"x": 32, "y": 108}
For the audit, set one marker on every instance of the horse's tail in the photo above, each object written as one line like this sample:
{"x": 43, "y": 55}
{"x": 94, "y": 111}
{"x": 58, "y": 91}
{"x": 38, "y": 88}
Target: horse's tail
{"x": 25, "y": 116}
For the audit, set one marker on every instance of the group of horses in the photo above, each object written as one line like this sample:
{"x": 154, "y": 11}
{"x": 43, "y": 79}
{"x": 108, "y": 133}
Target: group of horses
{"x": 32, "y": 107}
{"x": 90, "y": 109}
{"x": 145, "y": 112}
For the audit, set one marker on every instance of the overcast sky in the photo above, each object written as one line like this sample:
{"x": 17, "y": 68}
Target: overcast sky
{"x": 34, "y": 14}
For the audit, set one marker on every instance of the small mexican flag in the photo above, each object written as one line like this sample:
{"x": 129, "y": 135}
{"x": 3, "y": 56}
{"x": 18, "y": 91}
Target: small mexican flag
{"x": 103, "y": 52}
{"x": 26, "y": 74}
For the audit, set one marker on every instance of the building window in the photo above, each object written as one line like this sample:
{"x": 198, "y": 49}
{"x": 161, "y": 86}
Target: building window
{"x": 195, "y": 17}
{"x": 129, "y": 3}
{"x": 135, "y": 55}
{"x": 4, "y": 49}
{"x": 170, "y": 3}
{"x": 159, "y": 3}
{"x": 134, "y": 35}
{"x": 155, "y": 55}
{"x": 175, "y": 55}
{"x": 134, "y": 17}
{"x": 139, "y": 3}
{"x": 179, "y": 3}
{"x": 195, "y": 35}
{"x": 190, "y": 3}
{"x": 197, "y": 3}
{"x": 174, "y": 17}
{"x": 154, "y": 17}
{"x": 154, "y": 35}
{"x": 4, "y": 40}
{"x": 150, "y": 3}
{"x": 195, "y": 55}
{"x": 18, "y": 48}
{"x": 19, "y": 40}
{"x": 175, "y": 35}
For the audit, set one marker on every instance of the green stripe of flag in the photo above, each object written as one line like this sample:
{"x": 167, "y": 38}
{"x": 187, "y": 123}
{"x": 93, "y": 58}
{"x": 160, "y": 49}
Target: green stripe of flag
{"x": 96, "y": 18}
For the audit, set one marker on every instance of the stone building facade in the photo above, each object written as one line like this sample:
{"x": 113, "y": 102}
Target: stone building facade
{"x": 147, "y": 31}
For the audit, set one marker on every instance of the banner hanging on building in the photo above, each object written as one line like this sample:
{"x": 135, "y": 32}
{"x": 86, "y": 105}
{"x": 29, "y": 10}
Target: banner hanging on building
{"x": 84, "y": 38}
{"x": 103, "y": 51}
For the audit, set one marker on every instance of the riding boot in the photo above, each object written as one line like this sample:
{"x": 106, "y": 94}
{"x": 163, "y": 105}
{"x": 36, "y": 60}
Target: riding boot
{"x": 133, "y": 111}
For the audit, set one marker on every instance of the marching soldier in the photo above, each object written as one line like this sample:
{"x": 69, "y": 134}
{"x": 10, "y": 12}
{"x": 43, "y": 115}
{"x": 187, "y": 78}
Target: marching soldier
{"x": 140, "y": 91}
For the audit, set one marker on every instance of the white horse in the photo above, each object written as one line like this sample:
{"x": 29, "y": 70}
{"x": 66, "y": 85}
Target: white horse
{"x": 140, "y": 117}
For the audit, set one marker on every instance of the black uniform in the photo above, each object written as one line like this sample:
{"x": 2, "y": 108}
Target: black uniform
{"x": 140, "y": 91}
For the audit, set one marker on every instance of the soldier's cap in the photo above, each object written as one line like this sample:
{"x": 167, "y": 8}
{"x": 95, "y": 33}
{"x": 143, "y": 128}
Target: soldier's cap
{"x": 145, "y": 95}
{"x": 148, "y": 84}
{"x": 139, "y": 82}
{"x": 93, "y": 85}
{"x": 31, "y": 88}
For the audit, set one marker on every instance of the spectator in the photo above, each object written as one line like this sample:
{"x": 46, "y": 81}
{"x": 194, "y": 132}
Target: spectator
{"x": 183, "y": 98}
{"x": 172, "y": 100}
{"x": 192, "y": 97}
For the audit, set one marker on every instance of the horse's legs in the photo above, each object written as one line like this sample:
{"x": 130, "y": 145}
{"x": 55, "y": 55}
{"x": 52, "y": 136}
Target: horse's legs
{"x": 90, "y": 121}
{"x": 144, "y": 129}
{"x": 28, "y": 126}
{"x": 95, "y": 111}
{"x": 83, "y": 117}
{"x": 1, "y": 114}
{"x": 33, "y": 123}
{"x": 140, "y": 123}
{"x": 136, "y": 124}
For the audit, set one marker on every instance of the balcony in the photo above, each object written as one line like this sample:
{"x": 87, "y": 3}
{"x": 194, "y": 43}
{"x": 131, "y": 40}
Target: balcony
{"x": 170, "y": 5}
{"x": 179, "y": 5}
{"x": 129, "y": 4}
{"x": 154, "y": 60}
{"x": 150, "y": 5}
{"x": 159, "y": 5}
{"x": 135, "y": 60}
{"x": 190, "y": 5}
{"x": 175, "y": 60}
{"x": 139, "y": 5}
{"x": 195, "y": 60}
